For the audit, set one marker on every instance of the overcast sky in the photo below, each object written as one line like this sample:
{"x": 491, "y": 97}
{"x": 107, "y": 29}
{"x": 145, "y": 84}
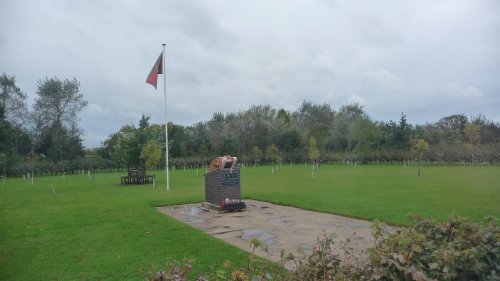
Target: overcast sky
{"x": 428, "y": 59}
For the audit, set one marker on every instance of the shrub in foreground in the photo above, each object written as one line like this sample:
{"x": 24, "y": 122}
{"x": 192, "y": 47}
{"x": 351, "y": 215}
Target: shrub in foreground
{"x": 456, "y": 249}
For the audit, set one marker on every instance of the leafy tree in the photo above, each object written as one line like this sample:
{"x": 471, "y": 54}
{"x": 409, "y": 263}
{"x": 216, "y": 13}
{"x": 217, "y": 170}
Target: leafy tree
{"x": 199, "y": 136}
{"x": 184, "y": 153}
{"x": 259, "y": 134}
{"x": 203, "y": 153}
{"x": 55, "y": 111}
{"x": 128, "y": 147}
{"x": 349, "y": 133}
{"x": 284, "y": 116}
{"x": 125, "y": 148}
{"x": 257, "y": 154}
{"x": 143, "y": 132}
{"x": 13, "y": 100}
{"x": 490, "y": 130}
{"x": 396, "y": 138}
{"x": 229, "y": 145}
{"x": 216, "y": 130}
{"x": 5, "y": 132}
{"x": 14, "y": 137}
{"x": 420, "y": 147}
{"x": 152, "y": 153}
{"x": 3, "y": 172}
{"x": 403, "y": 133}
{"x": 141, "y": 138}
{"x": 453, "y": 127}
{"x": 272, "y": 153}
{"x": 289, "y": 142}
{"x": 473, "y": 133}
{"x": 108, "y": 150}
{"x": 257, "y": 125}
{"x": 314, "y": 120}
{"x": 176, "y": 137}
{"x": 313, "y": 151}
{"x": 264, "y": 113}
{"x": 353, "y": 130}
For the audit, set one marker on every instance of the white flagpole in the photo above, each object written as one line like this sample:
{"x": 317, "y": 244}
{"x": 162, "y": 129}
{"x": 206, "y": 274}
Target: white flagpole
{"x": 166, "y": 122}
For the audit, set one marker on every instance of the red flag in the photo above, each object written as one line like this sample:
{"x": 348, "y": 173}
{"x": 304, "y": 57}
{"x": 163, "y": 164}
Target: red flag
{"x": 157, "y": 69}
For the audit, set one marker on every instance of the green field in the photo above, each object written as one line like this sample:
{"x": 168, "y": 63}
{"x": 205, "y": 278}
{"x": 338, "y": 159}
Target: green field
{"x": 99, "y": 230}
{"x": 387, "y": 193}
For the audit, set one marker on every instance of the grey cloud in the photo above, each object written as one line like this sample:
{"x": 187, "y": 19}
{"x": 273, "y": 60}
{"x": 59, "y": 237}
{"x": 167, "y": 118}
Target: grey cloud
{"x": 425, "y": 58}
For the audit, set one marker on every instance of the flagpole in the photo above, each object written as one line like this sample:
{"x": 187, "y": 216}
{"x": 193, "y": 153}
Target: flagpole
{"x": 166, "y": 122}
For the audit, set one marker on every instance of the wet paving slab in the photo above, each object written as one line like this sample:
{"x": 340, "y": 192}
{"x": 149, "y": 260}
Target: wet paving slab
{"x": 277, "y": 227}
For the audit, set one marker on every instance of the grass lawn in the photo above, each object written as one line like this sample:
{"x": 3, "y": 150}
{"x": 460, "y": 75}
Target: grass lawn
{"x": 386, "y": 193}
{"x": 99, "y": 230}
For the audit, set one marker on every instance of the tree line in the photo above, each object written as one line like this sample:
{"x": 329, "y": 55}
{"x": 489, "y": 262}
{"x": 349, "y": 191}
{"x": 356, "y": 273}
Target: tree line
{"x": 312, "y": 133}
{"x": 47, "y": 139}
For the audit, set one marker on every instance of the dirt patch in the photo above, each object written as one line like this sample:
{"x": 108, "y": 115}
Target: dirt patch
{"x": 278, "y": 227}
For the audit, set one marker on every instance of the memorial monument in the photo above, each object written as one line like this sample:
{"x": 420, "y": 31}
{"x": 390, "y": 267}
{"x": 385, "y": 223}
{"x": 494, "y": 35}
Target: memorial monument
{"x": 222, "y": 185}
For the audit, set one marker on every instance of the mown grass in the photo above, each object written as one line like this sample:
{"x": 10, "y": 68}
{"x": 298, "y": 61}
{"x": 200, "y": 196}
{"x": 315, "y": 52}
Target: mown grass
{"x": 99, "y": 230}
{"x": 386, "y": 193}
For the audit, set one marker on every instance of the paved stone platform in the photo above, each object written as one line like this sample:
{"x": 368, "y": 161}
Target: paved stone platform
{"x": 278, "y": 227}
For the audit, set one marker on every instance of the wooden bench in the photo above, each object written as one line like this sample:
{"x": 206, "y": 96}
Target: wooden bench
{"x": 137, "y": 177}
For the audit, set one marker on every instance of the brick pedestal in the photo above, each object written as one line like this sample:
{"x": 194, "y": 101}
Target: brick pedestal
{"x": 221, "y": 184}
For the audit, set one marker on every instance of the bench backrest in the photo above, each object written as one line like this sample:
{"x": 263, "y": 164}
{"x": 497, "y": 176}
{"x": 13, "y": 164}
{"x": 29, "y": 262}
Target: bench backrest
{"x": 136, "y": 173}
